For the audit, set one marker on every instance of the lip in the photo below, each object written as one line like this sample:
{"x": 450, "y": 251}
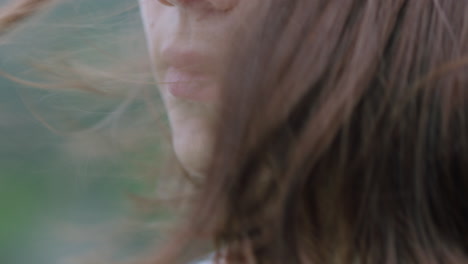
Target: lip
{"x": 187, "y": 76}
{"x": 187, "y": 85}
{"x": 179, "y": 57}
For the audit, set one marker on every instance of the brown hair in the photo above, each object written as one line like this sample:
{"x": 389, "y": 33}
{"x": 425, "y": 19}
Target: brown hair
{"x": 344, "y": 136}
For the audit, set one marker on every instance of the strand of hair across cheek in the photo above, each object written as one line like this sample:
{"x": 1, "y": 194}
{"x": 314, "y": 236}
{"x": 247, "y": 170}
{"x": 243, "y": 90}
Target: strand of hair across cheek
{"x": 17, "y": 11}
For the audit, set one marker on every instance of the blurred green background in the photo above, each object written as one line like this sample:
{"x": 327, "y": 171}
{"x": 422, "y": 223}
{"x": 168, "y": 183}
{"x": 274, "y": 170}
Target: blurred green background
{"x": 68, "y": 159}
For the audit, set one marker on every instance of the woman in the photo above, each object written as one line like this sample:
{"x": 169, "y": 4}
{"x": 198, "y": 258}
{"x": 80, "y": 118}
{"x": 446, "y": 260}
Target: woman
{"x": 321, "y": 131}
{"x": 341, "y": 126}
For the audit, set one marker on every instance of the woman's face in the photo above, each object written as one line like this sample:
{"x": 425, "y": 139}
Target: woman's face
{"x": 188, "y": 41}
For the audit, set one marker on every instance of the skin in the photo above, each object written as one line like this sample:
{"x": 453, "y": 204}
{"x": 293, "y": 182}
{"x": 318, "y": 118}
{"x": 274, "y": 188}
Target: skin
{"x": 192, "y": 36}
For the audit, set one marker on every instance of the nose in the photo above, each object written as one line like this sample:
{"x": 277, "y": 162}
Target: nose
{"x": 218, "y": 5}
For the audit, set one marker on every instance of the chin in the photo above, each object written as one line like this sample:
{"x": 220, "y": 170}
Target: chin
{"x": 193, "y": 154}
{"x": 192, "y": 128}
{"x": 192, "y": 146}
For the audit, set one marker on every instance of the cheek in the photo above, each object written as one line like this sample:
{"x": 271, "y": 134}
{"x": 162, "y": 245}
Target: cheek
{"x": 155, "y": 21}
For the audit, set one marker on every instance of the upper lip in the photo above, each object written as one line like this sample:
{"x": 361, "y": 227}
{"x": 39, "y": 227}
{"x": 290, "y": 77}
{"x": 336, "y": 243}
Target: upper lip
{"x": 191, "y": 64}
{"x": 185, "y": 59}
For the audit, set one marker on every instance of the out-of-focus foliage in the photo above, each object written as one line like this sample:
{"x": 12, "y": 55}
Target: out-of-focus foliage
{"x": 68, "y": 159}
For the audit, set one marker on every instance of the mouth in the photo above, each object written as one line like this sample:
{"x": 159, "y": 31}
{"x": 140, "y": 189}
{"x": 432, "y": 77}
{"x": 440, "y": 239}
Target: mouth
{"x": 187, "y": 85}
{"x": 187, "y": 75}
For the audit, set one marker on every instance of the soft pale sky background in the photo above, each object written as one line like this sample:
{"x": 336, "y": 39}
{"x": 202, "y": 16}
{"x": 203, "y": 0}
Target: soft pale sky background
{"x": 63, "y": 193}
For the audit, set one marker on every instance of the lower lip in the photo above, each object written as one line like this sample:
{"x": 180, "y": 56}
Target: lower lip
{"x": 187, "y": 85}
